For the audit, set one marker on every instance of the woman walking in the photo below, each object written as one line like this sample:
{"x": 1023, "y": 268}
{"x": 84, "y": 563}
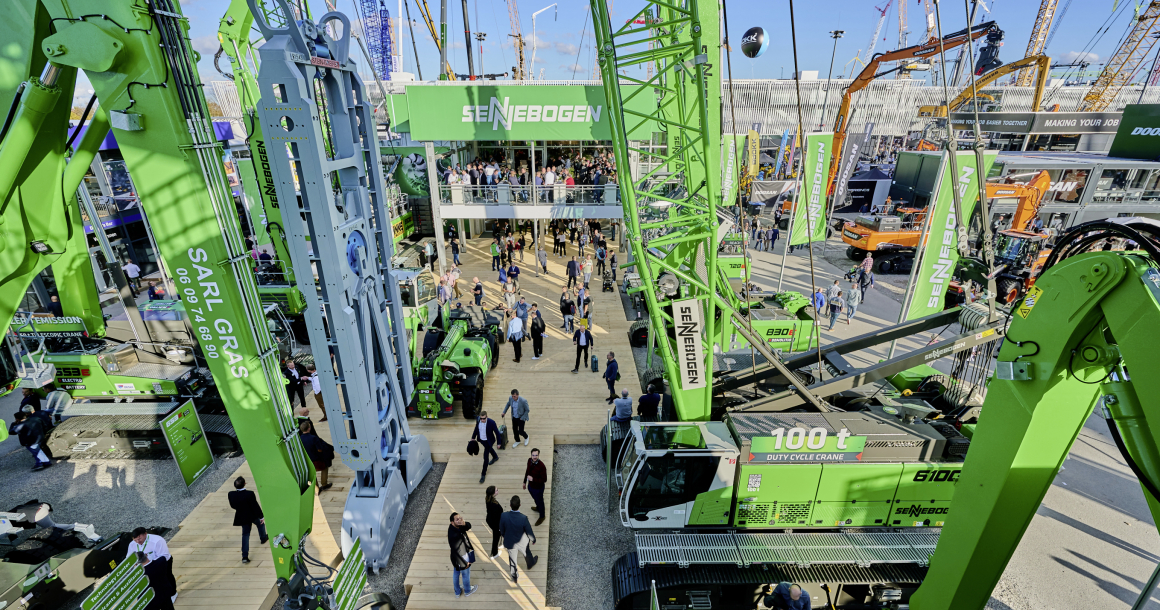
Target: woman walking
{"x": 494, "y": 512}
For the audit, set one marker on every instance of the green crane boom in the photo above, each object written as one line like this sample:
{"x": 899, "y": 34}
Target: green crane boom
{"x": 138, "y": 57}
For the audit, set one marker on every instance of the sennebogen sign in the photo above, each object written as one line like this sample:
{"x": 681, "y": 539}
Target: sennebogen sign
{"x": 1139, "y": 133}
{"x": 515, "y": 112}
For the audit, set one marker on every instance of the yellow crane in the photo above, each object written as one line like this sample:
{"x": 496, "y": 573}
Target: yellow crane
{"x": 519, "y": 71}
{"x": 425, "y": 13}
{"x": 1123, "y": 66}
{"x": 1038, "y": 40}
{"x": 1040, "y": 64}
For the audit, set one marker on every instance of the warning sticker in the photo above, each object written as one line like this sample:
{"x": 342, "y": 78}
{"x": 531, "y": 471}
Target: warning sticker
{"x": 1029, "y": 301}
{"x": 754, "y": 482}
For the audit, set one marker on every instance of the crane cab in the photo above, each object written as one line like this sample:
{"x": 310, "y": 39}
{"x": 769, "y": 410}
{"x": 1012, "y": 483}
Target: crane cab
{"x": 676, "y": 475}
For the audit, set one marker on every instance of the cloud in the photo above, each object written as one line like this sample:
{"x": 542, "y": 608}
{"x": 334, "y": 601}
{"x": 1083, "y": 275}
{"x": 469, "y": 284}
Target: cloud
{"x": 206, "y": 45}
{"x": 566, "y": 48}
{"x": 577, "y": 68}
{"x": 455, "y": 45}
{"x": 1075, "y": 56}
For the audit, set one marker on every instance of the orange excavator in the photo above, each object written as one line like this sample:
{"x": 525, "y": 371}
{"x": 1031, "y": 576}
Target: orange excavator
{"x": 927, "y": 49}
{"x": 1020, "y": 250}
{"x": 895, "y": 234}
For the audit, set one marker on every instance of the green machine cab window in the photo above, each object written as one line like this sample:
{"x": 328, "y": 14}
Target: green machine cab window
{"x": 670, "y": 480}
{"x": 673, "y": 437}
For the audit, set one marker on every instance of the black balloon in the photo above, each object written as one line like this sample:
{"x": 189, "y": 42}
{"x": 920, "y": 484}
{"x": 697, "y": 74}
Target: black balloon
{"x": 754, "y": 42}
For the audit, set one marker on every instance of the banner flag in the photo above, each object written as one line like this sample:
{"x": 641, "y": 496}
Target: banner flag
{"x": 809, "y": 220}
{"x": 752, "y": 152}
{"x": 937, "y": 260}
{"x": 856, "y": 144}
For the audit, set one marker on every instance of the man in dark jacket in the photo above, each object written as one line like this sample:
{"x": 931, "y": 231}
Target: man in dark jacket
{"x": 649, "y": 405}
{"x": 462, "y": 552}
{"x": 487, "y": 433}
{"x": 786, "y": 596}
{"x": 294, "y": 374}
{"x": 31, "y": 434}
{"x": 611, "y": 372}
{"x": 582, "y": 339}
{"x": 573, "y": 272}
{"x": 320, "y": 452}
{"x": 247, "y": 513}
{"x": 535, "y": 477}
{"x": 517, "y": 536}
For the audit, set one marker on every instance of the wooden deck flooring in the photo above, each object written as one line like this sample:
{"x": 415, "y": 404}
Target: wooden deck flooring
{"x": 565, "y": 408}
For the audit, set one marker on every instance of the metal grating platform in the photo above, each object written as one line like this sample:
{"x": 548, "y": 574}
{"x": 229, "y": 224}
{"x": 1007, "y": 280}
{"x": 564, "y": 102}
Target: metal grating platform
{"x": 80, "y": 409}
{"x": 862, "y": 549}
{"x": 150, "y": 370}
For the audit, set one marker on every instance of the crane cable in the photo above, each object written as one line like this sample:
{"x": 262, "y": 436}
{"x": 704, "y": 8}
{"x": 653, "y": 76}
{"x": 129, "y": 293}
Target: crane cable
{"x": 817, "y": 331}
{"x": 734, "y": 176}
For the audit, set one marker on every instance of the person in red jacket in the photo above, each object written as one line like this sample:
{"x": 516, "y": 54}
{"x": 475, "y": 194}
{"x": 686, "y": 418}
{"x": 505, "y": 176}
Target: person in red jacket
{"x": 535, "y": 477}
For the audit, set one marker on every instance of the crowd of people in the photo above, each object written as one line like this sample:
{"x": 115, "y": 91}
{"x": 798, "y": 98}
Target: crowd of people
{"x": 566, "y": 170}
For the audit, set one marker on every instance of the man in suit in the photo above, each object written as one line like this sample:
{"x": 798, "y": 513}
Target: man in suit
{"x": 573, "y": 271}
{"x": 247, "y": 513}
{"x": 487, "y": 433}
{"x": 517, "y": 535}
{"x": 294, "y": 374}
{"x": 582, "y": 339}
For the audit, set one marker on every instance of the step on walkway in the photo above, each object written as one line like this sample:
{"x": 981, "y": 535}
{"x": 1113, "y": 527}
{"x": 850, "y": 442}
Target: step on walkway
{"x": 565, "y": 408}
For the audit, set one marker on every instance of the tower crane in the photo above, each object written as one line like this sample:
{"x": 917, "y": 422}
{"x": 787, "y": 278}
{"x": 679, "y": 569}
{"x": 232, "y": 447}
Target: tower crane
{"x": 519, "y": 72}
{"x": 877, "y": 30}
{"x": 1120, "y": 70}
{"x": 902, "y": 32}
{"x": 377, "y": 24}
{"x": 1038, "y": 41}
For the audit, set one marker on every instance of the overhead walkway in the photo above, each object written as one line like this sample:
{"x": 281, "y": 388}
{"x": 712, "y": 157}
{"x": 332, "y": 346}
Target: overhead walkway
{"x": 565, "y": 409}
{"x": 529, "y": 202}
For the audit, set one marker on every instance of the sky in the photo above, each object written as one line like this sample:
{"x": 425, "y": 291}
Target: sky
{"x": 564, "y": 38}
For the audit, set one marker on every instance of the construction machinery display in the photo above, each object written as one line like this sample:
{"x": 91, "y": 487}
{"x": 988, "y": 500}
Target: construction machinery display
{"x": 927, "y": 49}
{"x": 885, "y": 498}
{"x": 142, "y": 68}
{"x": 459, "y": 350}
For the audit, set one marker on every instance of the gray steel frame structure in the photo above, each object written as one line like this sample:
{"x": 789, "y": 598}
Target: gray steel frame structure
{"x": 354, "y": 311}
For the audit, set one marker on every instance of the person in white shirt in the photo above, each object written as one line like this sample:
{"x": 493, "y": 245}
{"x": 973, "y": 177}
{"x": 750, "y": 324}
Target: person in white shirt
{"x": 133, "y": 272}
{"x": 316, "y": 387}
{"x": 515, "y": 335}
{"x": 549, "y": 181}
{"x": 153, "y": 548}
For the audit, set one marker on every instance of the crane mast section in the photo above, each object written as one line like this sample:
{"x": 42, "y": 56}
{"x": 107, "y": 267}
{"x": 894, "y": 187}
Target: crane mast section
{"x": 320, "y": 131}
{"x": 1122, "y": 67}
{"x": 1038, "y": 41}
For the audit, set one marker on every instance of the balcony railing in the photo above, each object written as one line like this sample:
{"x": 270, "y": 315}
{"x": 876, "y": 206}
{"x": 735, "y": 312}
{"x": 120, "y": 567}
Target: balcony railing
{"x": 506, "y": 194}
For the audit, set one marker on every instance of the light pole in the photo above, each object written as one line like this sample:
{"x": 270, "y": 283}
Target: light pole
{"x": 836, "y": 34}
{"x": 554, "y": 15}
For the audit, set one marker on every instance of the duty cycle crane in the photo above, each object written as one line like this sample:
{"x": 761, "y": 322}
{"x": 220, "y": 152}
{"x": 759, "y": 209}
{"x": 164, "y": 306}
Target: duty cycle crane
{"x": 673, "y": 214}
{"x": 929, "y": 48}
{"x": 882, "y": 502}
{"x": 138, "y": 57}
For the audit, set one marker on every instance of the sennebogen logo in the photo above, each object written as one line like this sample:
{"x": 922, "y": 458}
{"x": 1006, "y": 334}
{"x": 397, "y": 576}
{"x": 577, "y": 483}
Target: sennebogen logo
{"x": 506, "y": 113}
{"x": 943, "y": 265}
{"x": 818, "y": 179}
{"x": 1146, "y": 131}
